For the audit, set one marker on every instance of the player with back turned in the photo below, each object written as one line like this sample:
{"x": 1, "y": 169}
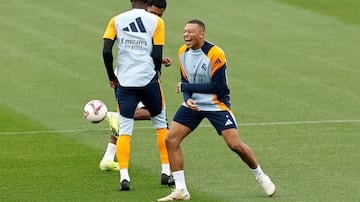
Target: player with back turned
{"x": 140, "y": 37}
{"x": 107, "y": 162}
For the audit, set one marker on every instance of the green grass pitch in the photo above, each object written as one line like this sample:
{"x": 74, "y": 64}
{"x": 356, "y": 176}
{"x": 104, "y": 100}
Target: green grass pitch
{"x": 293, "y": 69}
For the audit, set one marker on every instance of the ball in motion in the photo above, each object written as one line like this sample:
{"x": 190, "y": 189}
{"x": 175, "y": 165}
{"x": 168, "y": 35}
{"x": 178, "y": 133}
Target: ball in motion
{"x": 95, "y": 111}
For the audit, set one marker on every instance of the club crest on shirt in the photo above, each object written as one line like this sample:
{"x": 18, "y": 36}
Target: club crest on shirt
{"x": 204, "y": 67}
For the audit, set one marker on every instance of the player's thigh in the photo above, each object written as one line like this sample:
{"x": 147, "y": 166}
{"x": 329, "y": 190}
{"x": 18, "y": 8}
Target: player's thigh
{"x": 221, "y": 120}
{"x": 153, "y": 99}
{"x": 177, "y": 133}
{"x": 127, "y": 100}
{"x": 231, "y": 137}
{"x": 188, "y": 117}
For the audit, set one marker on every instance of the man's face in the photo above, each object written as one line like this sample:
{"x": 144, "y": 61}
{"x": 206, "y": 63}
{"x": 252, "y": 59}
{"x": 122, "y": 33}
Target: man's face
{"x": 155, "y": 10}
{"x": 193, "y": 36}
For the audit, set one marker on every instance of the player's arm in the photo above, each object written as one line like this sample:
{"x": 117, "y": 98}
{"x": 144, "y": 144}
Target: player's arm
{"x": 186, "y": 94}
{"x": 218, "y": 81}
{"x": 218, "y": 75}
{"x": 108, "y": 58}
{"x": 158, "y": 43}
{"x": 157, "y": 56}
{"x": 109, "y": 40}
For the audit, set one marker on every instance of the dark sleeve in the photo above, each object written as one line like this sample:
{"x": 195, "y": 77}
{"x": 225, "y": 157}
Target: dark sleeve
{"x": 218, "y": 82}
{"x": 108, "y": 58}
{"x": 186, "y": 95}
{"x": 157, "y": 56}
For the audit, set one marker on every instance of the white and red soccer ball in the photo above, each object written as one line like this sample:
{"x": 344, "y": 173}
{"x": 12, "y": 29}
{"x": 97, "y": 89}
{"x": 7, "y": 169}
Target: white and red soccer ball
{"x": 95, "y": 111}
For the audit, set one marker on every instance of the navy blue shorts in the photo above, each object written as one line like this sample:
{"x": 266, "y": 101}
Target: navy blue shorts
{"x": 150, "y": 95}
{"x": 221, "y": 120}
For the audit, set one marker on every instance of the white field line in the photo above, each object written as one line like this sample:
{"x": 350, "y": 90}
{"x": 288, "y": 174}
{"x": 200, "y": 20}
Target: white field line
{"x": 204, "y": 126}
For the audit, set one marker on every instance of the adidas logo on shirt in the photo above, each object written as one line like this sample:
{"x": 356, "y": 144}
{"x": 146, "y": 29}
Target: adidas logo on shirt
{"x": 218, "y": 61}
{"x": 136, "y": 26}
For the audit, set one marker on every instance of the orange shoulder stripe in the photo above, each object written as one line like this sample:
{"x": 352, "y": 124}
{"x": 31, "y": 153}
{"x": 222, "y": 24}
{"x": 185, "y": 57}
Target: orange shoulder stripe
{"x": 110, "y": 32}
{"x": 159, "y": 35}
{"x": 217, "y": 58}
{"x": 181, "y": 51}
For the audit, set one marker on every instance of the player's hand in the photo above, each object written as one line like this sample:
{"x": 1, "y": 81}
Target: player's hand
{"x": 178, "y": 87}
{"x": 113, "y": 84}
{"x": 166, "y": 61}
{"x": 192, "y": 105}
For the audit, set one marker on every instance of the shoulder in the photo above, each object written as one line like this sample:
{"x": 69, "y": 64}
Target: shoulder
{"x": 216, "y": 55}
{"x": 182, "y": 49}
{"x": 210, "y": 48}
{"x": 159, "y": 19}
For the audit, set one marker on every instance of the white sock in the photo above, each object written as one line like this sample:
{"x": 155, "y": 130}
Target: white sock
{"x": 179, "y": 178}
{"x": 257, "y": 172}
{"x": 124, "y": 175}
{"x": 110, "y": 152}
{"x": 165, "y": 169}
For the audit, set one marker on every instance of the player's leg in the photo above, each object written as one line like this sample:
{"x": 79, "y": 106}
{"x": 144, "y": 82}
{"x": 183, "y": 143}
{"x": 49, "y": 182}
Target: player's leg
{"x": 176, "y": 134}
{"x": 141, "y": 113}
{"x": 234, "y": 142}
{"x": 161, "y": 126}
{"x": 185, "y": 120}
{"x": 107, "y": 162}
{"x": 153, "y": 100}
{"x": 225, "y": 124}
{"x": 127, "y": 100}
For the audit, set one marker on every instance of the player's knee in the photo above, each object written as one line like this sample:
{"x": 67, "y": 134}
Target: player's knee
{"x": 171, "y": 141}
{"x": 168, "y": 141}
{"x": 237, "y": 147}
{"x": 155, "y": 112}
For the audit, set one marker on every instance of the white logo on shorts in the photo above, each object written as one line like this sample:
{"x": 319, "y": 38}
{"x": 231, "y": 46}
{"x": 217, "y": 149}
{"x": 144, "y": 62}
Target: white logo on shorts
{"x": 228, "y": 122}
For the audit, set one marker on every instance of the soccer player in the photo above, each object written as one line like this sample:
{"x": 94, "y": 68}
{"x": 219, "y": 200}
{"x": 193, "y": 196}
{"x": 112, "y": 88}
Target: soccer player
{"x": 107, "y": 162}
{"x": 140, "y": 37}
{"x": 206, "y": 95}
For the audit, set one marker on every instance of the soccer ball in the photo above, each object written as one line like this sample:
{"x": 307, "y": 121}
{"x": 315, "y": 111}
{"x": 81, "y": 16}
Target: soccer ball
{"x": 95, "y": 111}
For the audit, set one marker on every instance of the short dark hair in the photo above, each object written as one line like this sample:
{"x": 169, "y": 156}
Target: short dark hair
{"x": 158, "y": 3}
{"x": 198, "y": 22}
{"x": 142, "y": 1}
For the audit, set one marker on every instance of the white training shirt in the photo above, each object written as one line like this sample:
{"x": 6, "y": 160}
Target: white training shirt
{"x": 136, "y": 31}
